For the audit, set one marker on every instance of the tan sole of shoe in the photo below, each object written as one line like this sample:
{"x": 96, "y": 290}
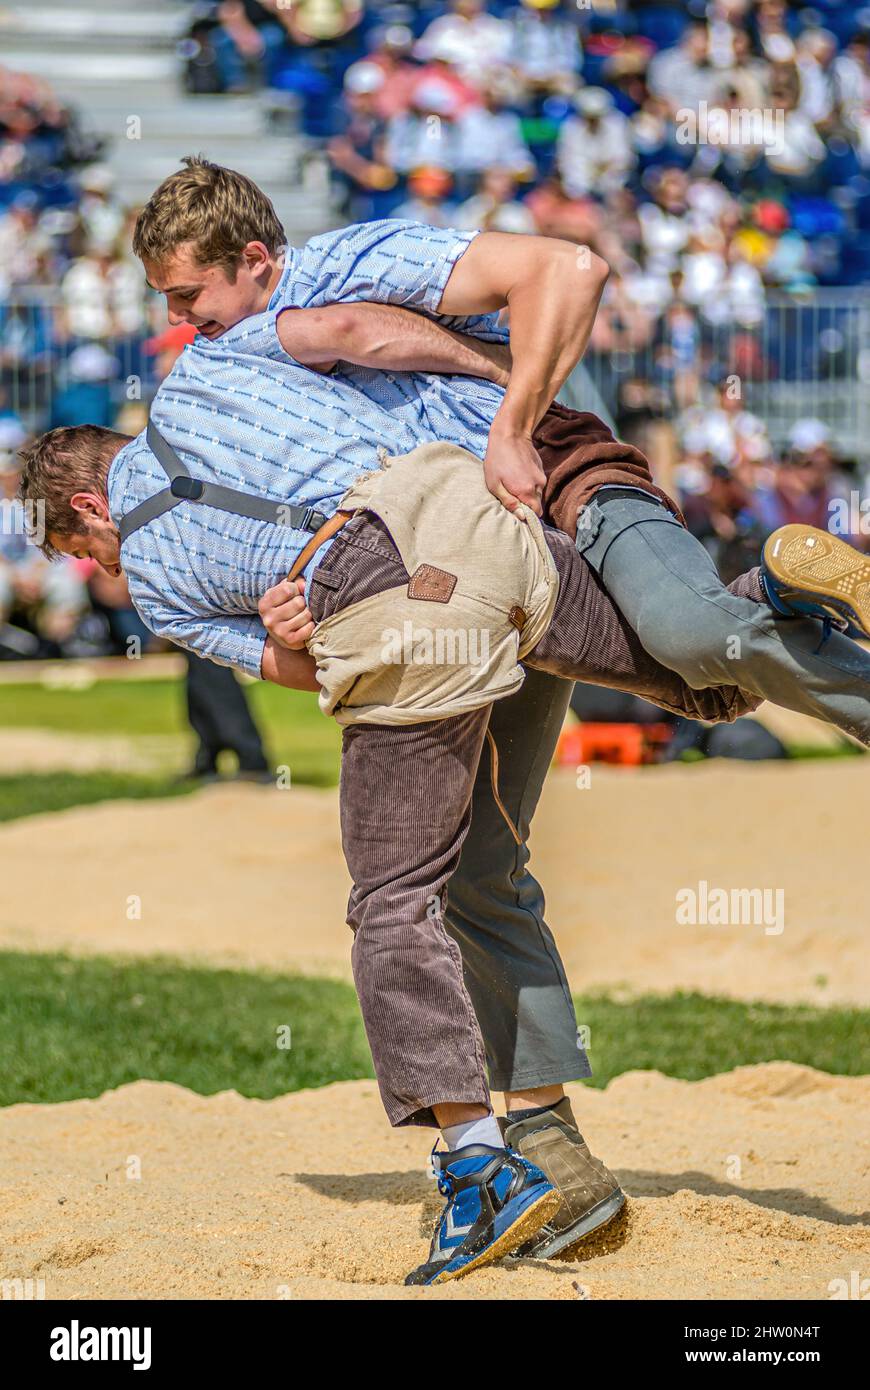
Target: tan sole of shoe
{"x": 812, "y": 564}
{"x": 532, "y": 1219}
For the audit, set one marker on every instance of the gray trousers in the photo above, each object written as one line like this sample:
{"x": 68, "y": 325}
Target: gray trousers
{"x": 685, "y": 619}
{"x": 495, "y": 905}
{"x": 667, "y": 588}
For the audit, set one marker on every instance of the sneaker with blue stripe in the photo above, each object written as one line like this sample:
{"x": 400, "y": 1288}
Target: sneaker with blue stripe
{"x": 495, "y": 1201}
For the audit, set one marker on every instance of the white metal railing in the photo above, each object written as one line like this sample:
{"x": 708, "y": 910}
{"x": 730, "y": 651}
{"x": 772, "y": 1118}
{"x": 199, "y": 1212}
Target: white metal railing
{"x": 807, "y": 356}
{"x": 36, "y": 346}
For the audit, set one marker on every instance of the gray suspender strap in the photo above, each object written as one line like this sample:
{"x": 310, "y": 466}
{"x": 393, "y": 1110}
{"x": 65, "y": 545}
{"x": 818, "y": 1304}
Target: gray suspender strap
{"x": 184, "y": 488}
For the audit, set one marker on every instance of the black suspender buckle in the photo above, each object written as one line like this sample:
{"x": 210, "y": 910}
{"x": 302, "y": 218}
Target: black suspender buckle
{"x": 313, "y": 520}
{"x": 190, "y": 489}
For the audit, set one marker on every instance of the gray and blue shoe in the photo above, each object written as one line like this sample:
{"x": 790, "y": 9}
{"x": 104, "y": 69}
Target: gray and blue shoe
{"x": 496, "y": 1201}
{"x": 810, "y": 573}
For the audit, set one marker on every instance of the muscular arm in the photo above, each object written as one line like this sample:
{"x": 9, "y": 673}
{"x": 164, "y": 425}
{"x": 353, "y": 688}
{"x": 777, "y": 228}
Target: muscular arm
{"x": 389, "y": 339}
{"x": 552, "y": 289}
{"x": 293, "y": 669}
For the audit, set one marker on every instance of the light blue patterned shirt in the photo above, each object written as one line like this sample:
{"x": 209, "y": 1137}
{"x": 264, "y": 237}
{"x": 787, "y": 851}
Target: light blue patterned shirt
{"x": 241, "y": 412}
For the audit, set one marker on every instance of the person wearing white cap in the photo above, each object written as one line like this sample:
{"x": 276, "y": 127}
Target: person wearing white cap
{"x": 356, "y": 150}
{"x": 594, "y": 151}
{"x": 415, "y": 141}
{"x": 83, "y": 390}
{"x": 492, "y": 135}
{"x": 102, "y": 219}
{"x": 363, "y": 79}
{"x": 391, "y": 51}
{"x": 808, "y": 434}
{"x": 92, "y": 363}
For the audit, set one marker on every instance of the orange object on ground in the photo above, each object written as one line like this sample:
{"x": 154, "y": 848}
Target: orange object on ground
{"x": 628, "y": 745}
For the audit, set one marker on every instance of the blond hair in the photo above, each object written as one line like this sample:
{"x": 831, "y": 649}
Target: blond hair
{"x": 216, "y": 210}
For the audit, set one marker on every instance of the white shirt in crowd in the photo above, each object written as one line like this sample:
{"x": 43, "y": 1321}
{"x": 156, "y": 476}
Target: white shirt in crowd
{"x": 796, "y": 147}
{"x": 544, "y": 46}
{"x": 723, "y": 433}
{"x": 491, "y": 138}
{"x": 469, "y": 143}
{"x": 484, "y": 212}
{"x": 102, "y": 305}
{"x": 470, "y": 45}
{"x": 594, "y": 158}
{"x": 682, "y": 82}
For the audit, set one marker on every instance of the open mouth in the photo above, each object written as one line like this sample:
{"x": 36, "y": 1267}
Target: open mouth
{"x": 209, "y": 328}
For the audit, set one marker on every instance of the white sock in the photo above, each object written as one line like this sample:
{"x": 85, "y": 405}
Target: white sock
{"x": 485, "y": 1131}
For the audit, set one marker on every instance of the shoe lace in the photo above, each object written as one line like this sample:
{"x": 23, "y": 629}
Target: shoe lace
{"x": 444, "y": 1177}
{"x": 827, "y": 629}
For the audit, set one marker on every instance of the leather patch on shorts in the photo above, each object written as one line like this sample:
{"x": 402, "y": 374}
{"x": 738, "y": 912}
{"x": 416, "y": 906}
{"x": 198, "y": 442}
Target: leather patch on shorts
{"x": 517, "y": 616}
{"x": 429, "y": 582}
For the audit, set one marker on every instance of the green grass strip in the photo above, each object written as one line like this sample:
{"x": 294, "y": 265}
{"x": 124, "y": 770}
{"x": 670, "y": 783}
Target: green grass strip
{"x": 72, "y": 1027}
{"x": 695, "y": 1035}
{"x": 296, "y": 734}
{"x": 29, "y": 793}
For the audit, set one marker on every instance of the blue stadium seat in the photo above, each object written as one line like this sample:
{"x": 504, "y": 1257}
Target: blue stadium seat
{"x": 592, "y": 68}
{"x": 862, "y": 212}
{"x": 621, "y": 21}
{"x": 843, "y": 21}
{"x": 425, "y": 13}
{"x": 841, "y": 163}
{"x": 856, "y": 259}
{"x": 814, "y": 217}
{"x": 664, "y": 24}
{"x": 826, "y": 259}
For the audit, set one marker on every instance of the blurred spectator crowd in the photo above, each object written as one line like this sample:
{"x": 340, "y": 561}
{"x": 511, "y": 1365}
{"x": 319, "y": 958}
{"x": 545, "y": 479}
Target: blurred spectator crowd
{"x": 712, "y": 151}
{"x": 73, "y": 328}
{"x": 566, "y": 118}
